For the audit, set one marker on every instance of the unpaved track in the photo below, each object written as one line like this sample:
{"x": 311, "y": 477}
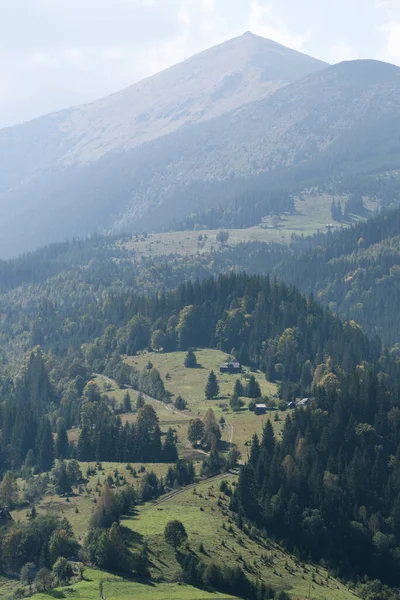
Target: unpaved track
{"x": 190, "y": 487}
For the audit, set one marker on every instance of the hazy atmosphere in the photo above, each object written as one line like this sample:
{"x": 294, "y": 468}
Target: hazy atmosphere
{"x": 199, "y": 299}
{"x": 57, "y": 53}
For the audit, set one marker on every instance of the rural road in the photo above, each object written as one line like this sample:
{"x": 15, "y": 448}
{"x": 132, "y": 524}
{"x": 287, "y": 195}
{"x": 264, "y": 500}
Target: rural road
{"x": 190, "y": 487}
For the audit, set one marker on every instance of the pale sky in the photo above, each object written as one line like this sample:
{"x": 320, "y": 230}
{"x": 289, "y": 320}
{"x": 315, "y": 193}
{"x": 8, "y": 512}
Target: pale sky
{"x": 58, "y": 53}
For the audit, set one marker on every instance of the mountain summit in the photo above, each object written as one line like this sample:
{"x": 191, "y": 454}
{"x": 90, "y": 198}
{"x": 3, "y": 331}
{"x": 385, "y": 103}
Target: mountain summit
{"x": 193, "y": 134}
{"x": 47, "y": 191}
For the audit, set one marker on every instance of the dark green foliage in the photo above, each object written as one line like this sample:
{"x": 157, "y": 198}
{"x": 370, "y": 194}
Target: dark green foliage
{"x": 45, "y": 445}
{"x": 32, "y": 542}
{"x": 213, "y": 464}
{"x": 212, "y": 387}
{"x": 140, "y": 402}
{"x": 150, "y": 487}
{"x": 191, "y": 360}
{"x": 253, "y": 389}
{"x": 169, "y": 451}
{"x": 181, "y": 474}
{"x": 61, "y": 479}
{"x": 235, "y": 403}
{"x": 245, "y": 210}
{"x": 354, "y": 272}
{"x": 175, "y": 534}
{"x": 126, "y": 403}
{"x": 327, "y": 481}
{"x": 196, "y": 431}
{"x": 238, "y": 388}
{"x": 106, "y": 549}
{"x": 180, "y": 403}
{"x": 61, "y": 445}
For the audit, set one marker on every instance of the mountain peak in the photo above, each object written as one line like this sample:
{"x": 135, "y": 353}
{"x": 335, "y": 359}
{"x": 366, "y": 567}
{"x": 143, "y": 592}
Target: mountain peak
{"x": 210, "y": 84}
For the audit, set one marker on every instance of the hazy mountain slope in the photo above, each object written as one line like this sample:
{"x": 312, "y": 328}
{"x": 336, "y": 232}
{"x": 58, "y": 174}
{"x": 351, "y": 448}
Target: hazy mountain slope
{"x": 205, "y": 86}
{"x": 70, "y": 173}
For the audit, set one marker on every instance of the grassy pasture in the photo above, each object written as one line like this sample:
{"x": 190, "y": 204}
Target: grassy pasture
{"x": 190, "y": 384}
{"x": 205, "y": 514}
{"x": 311, "y": 216}
{"x": 116, "y": 588}
{"x": 80, "y": 504}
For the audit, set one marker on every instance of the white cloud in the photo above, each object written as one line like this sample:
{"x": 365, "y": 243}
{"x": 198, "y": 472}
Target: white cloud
{"x": 262, "y": 21}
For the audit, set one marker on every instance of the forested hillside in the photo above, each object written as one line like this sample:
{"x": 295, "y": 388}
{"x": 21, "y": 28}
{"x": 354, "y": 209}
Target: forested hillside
{"x": 355, "y": 273}
{"x": 332, "y": 455}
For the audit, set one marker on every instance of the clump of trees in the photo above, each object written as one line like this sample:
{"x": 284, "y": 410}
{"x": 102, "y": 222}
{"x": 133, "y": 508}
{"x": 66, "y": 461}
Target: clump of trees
{"x": 180, "y": 403}
{"x": 206, "y": 432}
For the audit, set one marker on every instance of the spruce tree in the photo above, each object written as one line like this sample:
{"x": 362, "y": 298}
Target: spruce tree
{"x": 190, "y": 360}
{"x": 45, "y": 446}
{"x": 212, "y": 387}
{"x": 61, "y": 445}
{"x": 253, "y": 389}
{"x": 126, "y": 403}
{"x": 169, "y": 451}
{"x": 238, "y": 389}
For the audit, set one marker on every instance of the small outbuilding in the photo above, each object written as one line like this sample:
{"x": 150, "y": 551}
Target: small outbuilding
{"x": 230, "y": 367}
{"x": 303, "y": 402}
{"x": 260, "y": 409}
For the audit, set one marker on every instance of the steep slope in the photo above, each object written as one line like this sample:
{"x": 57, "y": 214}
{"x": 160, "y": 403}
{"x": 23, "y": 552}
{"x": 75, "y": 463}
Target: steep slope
{"x": 356, "y": 273}
{"x": 74, "y": 172}
{"x": 339, "y": 122}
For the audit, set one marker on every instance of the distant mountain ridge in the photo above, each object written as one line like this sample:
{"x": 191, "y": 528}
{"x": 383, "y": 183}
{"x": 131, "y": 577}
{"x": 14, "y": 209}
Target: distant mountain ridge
{"x": 246, "y": 113}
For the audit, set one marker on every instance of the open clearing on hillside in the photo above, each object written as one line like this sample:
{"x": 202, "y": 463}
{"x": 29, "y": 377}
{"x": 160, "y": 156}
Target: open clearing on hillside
{"x": 311, "y": 216}
{"x": 204, "y": 511}
{"x": 116, "y": 588}
{"x": 190, "y": 384}
{"x": 80, "y": 504}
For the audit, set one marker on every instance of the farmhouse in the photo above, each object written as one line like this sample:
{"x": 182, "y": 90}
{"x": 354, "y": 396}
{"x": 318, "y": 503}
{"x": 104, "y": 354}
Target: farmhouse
{"x": 230, "y": 367}
{"x": 260, "y": 409}
{"x": 303, "y": 402}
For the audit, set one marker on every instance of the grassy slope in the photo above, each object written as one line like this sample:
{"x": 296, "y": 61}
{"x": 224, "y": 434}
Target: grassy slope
{"x": 116, "y": 588}
{"x": 203, "y": 519}
{"x": 312, "y": 215}
{"x": 190, "y": 384}
{"x": 83, "y": 500}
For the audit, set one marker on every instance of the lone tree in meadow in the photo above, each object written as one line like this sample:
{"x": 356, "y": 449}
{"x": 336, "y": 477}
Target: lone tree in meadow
{"x": 212, "y": 387}
{"x": 191, "y": 360}
{"x": 195, "y": 431}
{"x": 175, "y": 534}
